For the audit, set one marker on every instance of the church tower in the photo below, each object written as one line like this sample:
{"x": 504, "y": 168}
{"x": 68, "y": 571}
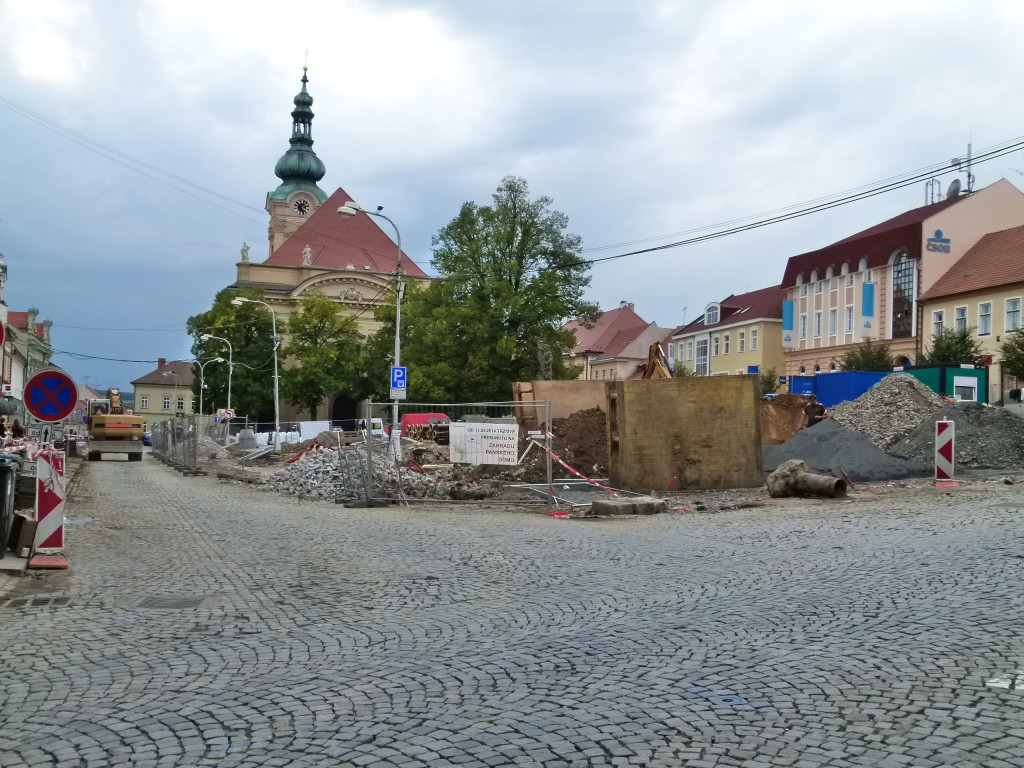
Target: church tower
{"x": 297, "y": 197}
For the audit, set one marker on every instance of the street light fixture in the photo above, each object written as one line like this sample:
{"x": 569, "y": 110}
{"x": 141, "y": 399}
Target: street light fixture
{"x": 239, "y": 301}
{"x": 348, "y": 210}
{"x": 202, "y": 378}
{"x": 231, "y": 365}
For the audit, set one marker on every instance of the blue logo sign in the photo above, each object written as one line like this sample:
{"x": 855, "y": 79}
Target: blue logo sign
{"x": 938, "y": 243}
{"x": 398, "y": 377}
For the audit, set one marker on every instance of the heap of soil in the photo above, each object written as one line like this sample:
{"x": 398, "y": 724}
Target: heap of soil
{"x": 781, "y": 417}
{"x": 581, "y": 441}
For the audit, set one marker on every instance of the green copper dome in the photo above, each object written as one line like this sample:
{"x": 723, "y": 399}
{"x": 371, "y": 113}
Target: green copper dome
{"x": 299, "y": 167}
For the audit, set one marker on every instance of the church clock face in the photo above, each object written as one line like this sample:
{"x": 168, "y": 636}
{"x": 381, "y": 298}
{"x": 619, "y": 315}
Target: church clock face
{"x": 301, "y": 207}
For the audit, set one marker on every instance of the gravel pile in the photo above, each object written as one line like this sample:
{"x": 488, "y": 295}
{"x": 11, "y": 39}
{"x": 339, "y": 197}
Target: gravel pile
{"x": 890, "y": 410}
{"x": 208, "y": 448}
{"x": 832, "y": 449}
{"x": 985, "y": 437}
{"x": 328, "y": 473}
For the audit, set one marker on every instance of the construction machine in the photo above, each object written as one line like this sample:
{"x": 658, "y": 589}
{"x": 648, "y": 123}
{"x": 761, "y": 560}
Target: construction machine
{"x": 657, "y": 366}
{"x": 113, "y": 428}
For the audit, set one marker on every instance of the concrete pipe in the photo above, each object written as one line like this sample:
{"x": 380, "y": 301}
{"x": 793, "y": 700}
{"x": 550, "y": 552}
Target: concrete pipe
{"x": 820, "y": 485}
{"x": 792, "y": 478}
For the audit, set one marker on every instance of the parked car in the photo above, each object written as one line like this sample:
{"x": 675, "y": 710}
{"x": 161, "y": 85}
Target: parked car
{"x": 147, "y": 438}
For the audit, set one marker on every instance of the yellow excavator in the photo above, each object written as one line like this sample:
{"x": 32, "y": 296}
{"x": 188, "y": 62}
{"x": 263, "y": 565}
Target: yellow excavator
{"x": 657, "y": 366}
{"x": 113, "y": 428}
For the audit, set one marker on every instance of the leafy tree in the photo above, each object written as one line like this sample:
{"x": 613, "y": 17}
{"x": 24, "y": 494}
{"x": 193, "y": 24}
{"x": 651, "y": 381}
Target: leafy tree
{"x": 509, "y": 278}
{"x": 323, "y": 349}
{"x": 248, "y": 328}
{"x": 681, "y": 370}
{"x": 869, "y": 355}
{"x": 769, "y": 381}
{"x": 1011, "y": 354}
{"x": 952, "y": 346}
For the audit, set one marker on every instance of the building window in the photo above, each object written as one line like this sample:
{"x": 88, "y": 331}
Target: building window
{"x": 144, "y": 402}
{"x": 689, "y": 350}
{"x": 938, "y": 319}
{"x": 960, "y": 318}
{"x": 903, "y": 297}
{"x": 803, "y": 326}
{"x": 817, "y": 325}
{"x": 849, "y": 280}
{"x": 753, "y": 338}
{"x": 181, "y": 404}
{"x": 1012, "y": 314}
{"x": 833, "y": 322}
{"x": 167, "y": 402}
{"x": 741, "y": 342}
{"x": 711, "y": 315}
{"x": 803, "y": 289}
{"x": 725, "y": 344}
{"x": 835, "y": 284}
{"x": 985, "y": 318}
{"x": 817, "y": 287}
{"x": 849, "y": 320}
{"x": 715, "y": 346}
{"x": 701, "y": 363}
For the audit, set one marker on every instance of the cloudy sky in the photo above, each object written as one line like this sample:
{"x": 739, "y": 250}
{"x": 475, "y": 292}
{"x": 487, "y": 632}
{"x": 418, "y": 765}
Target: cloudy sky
{"x": 140, "y": 137}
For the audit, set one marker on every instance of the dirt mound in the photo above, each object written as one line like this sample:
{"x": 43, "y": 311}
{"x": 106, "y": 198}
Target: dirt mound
{"x": 985, "y": 437}
{"x": 581, "y": 441}
{"x": 833, "y": 449}
{"x": 889, "y": 410}
{"x": 781, "y": 418}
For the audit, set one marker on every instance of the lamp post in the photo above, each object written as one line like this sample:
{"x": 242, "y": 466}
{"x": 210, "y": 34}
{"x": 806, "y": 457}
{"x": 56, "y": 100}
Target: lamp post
{"x": 348, "y": 210}
{"x": 239, "y": 301}
{"x": 231, "y": 365}
{"x": 177, "y": 383}
{"x": 202, "y": 378}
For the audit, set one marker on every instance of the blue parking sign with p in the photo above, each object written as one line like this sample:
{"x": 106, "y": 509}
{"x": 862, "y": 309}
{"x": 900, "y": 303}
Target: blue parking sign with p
{"x": 398, "y": 377}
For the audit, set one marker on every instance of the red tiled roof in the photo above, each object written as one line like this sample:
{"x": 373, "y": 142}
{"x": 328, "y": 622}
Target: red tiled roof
{"x": 760, "y": 304}
{"x": 182, "y": 368}
{"x": 338, "y": 242}
{"x": 995, "y": 260}
{"x": 613, "y": 332}
{"x": 19, "y": 320}
{"x": 877, "y": 243}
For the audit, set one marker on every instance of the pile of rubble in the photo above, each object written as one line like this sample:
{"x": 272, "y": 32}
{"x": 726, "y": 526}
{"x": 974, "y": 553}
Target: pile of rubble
{"x": 333, "y": 473}
{"x": 890, "y": 410}
{"x": 984, "y": 437}
{"x": 207, "y": 448}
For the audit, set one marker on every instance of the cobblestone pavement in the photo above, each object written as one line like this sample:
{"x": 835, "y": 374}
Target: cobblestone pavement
{"x": 208, "y": 623}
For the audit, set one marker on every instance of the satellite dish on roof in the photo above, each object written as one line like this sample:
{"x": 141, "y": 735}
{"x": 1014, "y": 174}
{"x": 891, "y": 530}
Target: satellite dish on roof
{"x": 954, "y": 189}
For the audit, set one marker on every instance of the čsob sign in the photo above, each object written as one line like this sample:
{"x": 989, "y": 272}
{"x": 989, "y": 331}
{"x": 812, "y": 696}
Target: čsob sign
{"x": 938, "y": 243}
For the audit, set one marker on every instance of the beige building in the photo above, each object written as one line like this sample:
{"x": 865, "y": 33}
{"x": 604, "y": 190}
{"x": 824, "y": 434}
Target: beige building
{"x": 868, "y": 285}
{"x": 982, "y": 292}
{"x": 740, "y": 334}
{"x": 164, "y": 393}
{"x": 615, "y": 345}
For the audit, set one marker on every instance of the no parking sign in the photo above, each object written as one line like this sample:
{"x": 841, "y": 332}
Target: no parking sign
{"x": 51, "y": 395}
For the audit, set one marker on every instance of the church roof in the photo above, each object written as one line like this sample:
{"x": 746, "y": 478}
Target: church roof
{"x": 299, "y": 167}
{"x": 338, "y": 242}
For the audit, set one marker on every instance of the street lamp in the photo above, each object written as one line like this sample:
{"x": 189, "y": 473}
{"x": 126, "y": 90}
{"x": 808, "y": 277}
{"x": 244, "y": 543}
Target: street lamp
{"x": 202, "y": 378}
{"x": 239, "y": 301}
{"x": 177, "y": 383}
{"x": 231, "y": 365}
{"x": 348, "y": 210}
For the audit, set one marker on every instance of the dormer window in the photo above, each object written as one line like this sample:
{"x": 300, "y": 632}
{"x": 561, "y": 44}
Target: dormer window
{"x": 711, "y": 315}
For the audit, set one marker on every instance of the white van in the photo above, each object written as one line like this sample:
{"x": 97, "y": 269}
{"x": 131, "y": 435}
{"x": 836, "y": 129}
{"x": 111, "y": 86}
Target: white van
{"x": 376, "y": 427}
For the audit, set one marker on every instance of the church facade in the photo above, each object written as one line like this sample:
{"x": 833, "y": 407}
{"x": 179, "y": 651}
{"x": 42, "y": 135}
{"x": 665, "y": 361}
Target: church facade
{"x": 313, "y": 249}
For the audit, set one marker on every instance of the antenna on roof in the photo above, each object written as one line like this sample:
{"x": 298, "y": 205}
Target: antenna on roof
{"x": 958, "y": 162}
{"x": 954, "y": 189}
{"x": 932, "y": 191}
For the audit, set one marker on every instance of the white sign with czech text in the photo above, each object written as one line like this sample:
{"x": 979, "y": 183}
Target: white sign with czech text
{"x": 484, "y": 443}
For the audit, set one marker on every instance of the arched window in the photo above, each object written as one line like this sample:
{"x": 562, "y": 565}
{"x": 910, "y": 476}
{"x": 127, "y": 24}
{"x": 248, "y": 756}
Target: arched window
{"x": 817, "y": 369}
{"x": 845, "y": 269}
{"x": 902, "y": 296}
{"x": 799, "y": 278}
{"x": 711, "y": 315}
{"x": 863, "y": 264}
{"x": 829, "y": 273}
{"x": 803, "y": 370}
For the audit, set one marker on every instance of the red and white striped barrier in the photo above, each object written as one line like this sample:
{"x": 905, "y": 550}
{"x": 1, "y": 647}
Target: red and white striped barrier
{"x": 944, "y": 434}
{"x": 50, "y": 495}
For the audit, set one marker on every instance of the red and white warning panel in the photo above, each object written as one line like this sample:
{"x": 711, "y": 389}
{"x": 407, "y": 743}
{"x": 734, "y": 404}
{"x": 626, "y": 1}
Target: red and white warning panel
{"x": 944, "y": 446}
{"x": 50, "y": 494}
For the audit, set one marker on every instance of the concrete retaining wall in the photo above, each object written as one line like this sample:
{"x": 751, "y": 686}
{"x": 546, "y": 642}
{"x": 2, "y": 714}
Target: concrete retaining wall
{"x": 704, "y": 431}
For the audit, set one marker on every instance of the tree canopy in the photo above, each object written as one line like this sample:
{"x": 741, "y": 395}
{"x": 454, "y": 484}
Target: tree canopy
{"x": 509, "y": 277}
{"x": 869, "y": 355}
{"x": 953, "y": 346}
{"x": 1011, "y": 354}
{"x": 248, "y": 328}
{"x": 323, "y": 353}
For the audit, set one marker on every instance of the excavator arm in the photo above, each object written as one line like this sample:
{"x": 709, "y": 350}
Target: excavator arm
{"x": 657, "y": 364}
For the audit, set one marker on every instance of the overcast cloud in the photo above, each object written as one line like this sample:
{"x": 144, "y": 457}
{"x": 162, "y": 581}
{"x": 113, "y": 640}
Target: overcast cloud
{"x": 640, "y": 119}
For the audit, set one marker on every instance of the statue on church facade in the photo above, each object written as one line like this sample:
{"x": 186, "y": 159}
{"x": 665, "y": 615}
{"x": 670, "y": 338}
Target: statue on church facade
{"x": 307, "y": 255}
{"x": 245, "y": 251}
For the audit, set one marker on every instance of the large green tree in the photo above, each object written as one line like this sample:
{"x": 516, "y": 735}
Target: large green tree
{"x": 509, "y": 277}
{"x": 869, "y": 355}
{"x": 248, "y": 328}
{"x": 322, "y": 353}
{"x": 953, "y": 346}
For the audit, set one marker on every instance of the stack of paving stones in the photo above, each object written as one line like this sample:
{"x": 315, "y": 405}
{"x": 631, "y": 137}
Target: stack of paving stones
{"x": 890, "y": 410}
